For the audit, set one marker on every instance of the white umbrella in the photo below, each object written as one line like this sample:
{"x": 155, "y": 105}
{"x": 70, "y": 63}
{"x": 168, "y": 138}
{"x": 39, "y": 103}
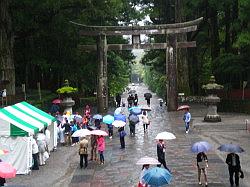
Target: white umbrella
{"x": 118, "y": 111}
{"x": 118, "y": 123}
{"x": 147, "y": 108}
{"x": 99, "y": 133}
{"x": 165, "y": 136}
{"x": 147, "y": 160}
{"x": 81, "y": 133}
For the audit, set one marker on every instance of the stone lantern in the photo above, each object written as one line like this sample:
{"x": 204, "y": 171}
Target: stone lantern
{"x": 211, "y": 100}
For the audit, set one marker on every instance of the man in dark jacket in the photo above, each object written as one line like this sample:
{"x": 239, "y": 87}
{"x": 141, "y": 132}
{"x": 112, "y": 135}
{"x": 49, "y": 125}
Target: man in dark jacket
{"x": 161, "y": 154}
{"x": 118, "y": 100}
{"x": 67, "y": 132}
{"x": 233, "y": 161}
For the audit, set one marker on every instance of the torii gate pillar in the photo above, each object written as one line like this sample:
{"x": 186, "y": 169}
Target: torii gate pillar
{"x": 102, "y": 88}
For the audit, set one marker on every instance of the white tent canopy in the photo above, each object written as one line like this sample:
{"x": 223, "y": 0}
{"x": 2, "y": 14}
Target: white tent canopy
{"x": 17, "y": 123}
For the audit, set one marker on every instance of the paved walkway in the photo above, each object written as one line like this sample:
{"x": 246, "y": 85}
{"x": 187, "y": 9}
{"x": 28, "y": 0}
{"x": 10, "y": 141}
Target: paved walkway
{"x": 120, "y": 169}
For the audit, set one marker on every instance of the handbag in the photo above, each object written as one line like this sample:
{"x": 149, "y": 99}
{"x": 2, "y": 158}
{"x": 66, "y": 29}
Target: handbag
{"x": 202, "y": 164}
{"x": 241, "y": 174}
{"x": 122, "y": 134}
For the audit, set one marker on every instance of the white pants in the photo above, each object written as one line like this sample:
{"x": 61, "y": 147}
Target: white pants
{"x": 41, "y": 159}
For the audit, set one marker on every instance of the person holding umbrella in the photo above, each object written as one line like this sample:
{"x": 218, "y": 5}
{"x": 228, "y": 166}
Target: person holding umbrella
{"x": 110, "y": 129}
{"x": 83, "y": 152}
{"x": 101, "y": 148}
{"x": 148, "y": 97}
{"x": 142, "y": 182}
{"x": 122, "y": 135}
{"x": 161, "y": 154}
{"x": 234, "y": 168}
{"x": 202, "y": 164}
{"x": 187, "y": 118}
{"x": 93, "y": 143}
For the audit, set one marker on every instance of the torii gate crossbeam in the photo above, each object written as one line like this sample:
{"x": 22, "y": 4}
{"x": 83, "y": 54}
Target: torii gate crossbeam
{"x": 171, "y": 45}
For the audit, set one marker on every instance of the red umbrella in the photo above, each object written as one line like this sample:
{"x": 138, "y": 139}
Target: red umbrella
{"x": 56, "y": 101}
{"x": 7, "y": 171}
{"x": 183, "y": 107}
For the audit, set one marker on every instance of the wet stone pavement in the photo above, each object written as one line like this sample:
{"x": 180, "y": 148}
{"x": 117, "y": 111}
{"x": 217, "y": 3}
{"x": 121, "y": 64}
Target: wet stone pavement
{"x": 120, "y": 169}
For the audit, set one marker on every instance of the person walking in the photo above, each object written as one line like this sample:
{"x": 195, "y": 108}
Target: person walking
{"x": 110, "y": 130}
{"x": 122, "y": 135}
{"x": 47, "y": 139}
{"x": 145, "y": 121}
{"x": 202, "y": 164}
{"x": 187, "y": 118}
{"x": 234, "y": 168}
{"x": 97, "y": 123}
{"x": 101, "y": 148}
{"x": 41, "y": 142}
{"x": 142, "y": 183}
{"x": 130, "y": 101}
{"x": 136, "y": 100}
{"x": 67, "y": 132}
{"x": 118, "y": 100}
{"x": 35, "y": 155}
{"x": 93, "y": 143}
{"x": 132, "y": 128}
{"x": 87, "y": 112}
{"x": 161, "y": 154}
{"x": 83, "y": 152}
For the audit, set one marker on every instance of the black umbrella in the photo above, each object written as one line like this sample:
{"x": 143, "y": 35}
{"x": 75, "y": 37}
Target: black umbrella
{"x": 132, "y": 91}
{"x": 133, "y": 118}
{"x": 147, "y": 95}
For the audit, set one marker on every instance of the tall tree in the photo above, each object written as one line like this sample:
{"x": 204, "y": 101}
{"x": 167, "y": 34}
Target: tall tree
{"x": 6, "y": 47}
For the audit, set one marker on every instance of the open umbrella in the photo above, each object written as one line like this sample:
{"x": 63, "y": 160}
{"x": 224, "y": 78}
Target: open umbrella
{"x": 6, "y": 170}
{"x": 201, "y": 146}
{"x": 118, "y": 123}
{"x": 136, "y": 111}
{"x": 133, "y": 118}
{"x": 146, "y": 108}
{"x": 132, "y": 91}
{"x": 183, "y": 107}
{"x": 97, "y": 116}
{"x": 56, "y": 101}
{"x": 91, "y": 127}
{"x": 165, "y": 136}
{"x": 3, "y": 151}
{"x": 120, "y": 117}
{"x": 231, "y": 148}
{"x": 147, "y": 95}
{"x": 118, "y": 111}
{"x": 157, "y": 176}
{"x": 147, "y": 160}
{"x": 99, "y": 133}
{"x": 81, "y": 133}
{"x": 108, "y": 119}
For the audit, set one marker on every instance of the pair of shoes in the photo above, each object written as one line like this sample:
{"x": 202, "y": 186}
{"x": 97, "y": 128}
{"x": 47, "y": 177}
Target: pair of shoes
{"x": 186, "y": 132}
{"x": 110, "y": 137}
{"x": 199, "y": 183}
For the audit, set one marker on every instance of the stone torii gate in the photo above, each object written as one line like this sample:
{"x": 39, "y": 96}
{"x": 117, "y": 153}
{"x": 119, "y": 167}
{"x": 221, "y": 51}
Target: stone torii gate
{"x": 171, "y": 45}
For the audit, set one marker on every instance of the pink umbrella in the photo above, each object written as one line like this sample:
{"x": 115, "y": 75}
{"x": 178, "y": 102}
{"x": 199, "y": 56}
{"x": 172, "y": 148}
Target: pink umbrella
{"x": 147, "y": 160}
{"x": 7, "y": 171}
{"x": 3, "y": 151}
{"x": 56, "y": 101}
{"x": 99, "y": 133}
{"x": 183, "y": 107}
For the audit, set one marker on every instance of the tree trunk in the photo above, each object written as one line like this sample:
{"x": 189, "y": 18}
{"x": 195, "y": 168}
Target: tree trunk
{"x": 182, "y": 63}
{"x": 6, "y": 48}
{"x": 227, "y": 27}
{"x": 215, "y": 48}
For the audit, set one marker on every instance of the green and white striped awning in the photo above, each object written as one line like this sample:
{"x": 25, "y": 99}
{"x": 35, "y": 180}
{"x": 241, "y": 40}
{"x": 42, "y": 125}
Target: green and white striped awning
{"x": 23, "y": 119}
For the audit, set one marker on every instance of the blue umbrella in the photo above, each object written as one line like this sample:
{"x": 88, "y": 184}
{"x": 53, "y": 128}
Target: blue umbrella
{"x": 120, "y": 117}
{"x": 201, "y": 146}
{"x": 97, "y": 116}
{"x": 231, "y": 148}
{"x": 136, "y": 111}
{"x": 157, "y": 176}
{"x": 133, "y": 107}
{"x": 133, "y": 118}
{"x": 108, "y": 119}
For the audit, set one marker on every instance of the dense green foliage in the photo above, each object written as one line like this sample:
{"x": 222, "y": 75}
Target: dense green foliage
{"x": 45, "y": 47}
{"x": 223, "y": 40}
